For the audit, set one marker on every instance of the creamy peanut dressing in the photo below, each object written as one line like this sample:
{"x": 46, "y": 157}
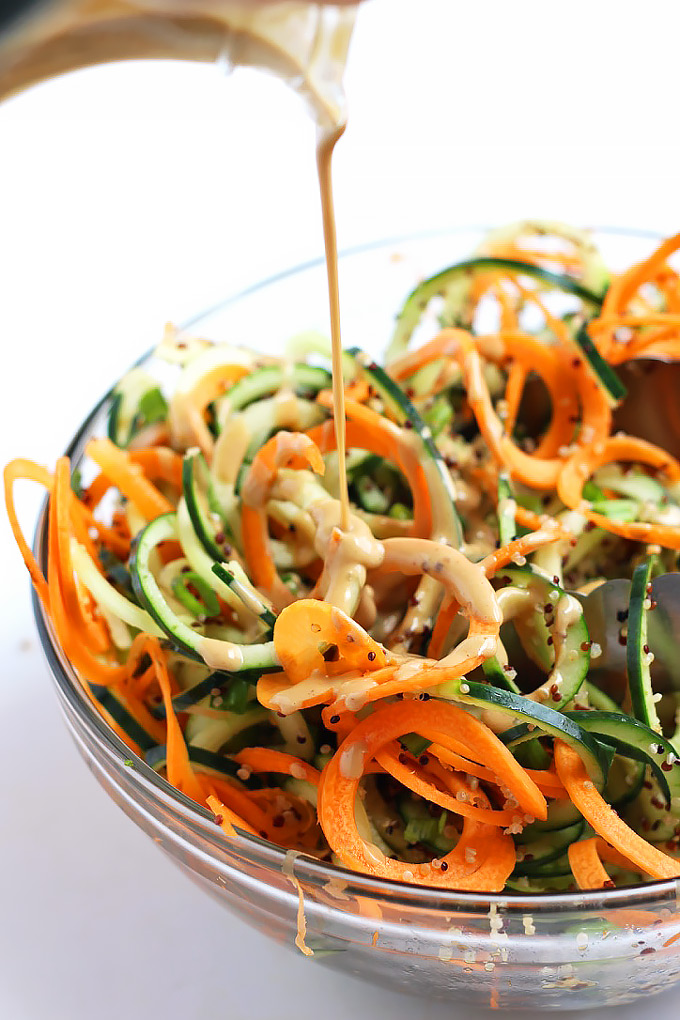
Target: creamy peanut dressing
{"x": 367, "y": 610}
{"x": 441, "y": 513}
{"x": 356, "y": 688}
{"x": 411, "y": 666}
{"x": 419, "y": 616}
{"x": 218, "y": 654}
{"x": 356, "y": 539}
{"x": 514, "y": 602}
{"x": 346, "y": 554}
{"x": 353, "y": 759}
{"x": 324, "y": 154}
{"x": 373, "y": 853}
{"x": 568, "y": 611}
{"x": 464, "y": 581}
{"x": 342, "y": 580}
{"x": 474, "y": 646}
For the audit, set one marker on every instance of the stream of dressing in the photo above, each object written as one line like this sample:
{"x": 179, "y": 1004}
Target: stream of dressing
{"x": 327, "y": 141}
{"x": 304, "y": 44}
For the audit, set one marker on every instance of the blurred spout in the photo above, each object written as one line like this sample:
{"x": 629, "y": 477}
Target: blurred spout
{"x": 305, "y": 44}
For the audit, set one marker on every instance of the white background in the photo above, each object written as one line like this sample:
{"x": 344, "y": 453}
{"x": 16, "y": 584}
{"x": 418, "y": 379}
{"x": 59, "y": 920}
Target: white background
{"x": 134, "y": 194}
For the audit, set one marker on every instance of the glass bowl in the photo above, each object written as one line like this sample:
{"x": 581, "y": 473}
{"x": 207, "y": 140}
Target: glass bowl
{"x": 561, "y": 951}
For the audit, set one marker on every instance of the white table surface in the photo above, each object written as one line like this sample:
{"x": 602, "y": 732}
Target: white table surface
{"x": 135, "y": 194}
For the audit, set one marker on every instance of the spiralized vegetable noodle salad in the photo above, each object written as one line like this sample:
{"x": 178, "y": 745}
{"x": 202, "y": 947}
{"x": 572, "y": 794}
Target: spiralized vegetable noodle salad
{"x": 410, "y": 696}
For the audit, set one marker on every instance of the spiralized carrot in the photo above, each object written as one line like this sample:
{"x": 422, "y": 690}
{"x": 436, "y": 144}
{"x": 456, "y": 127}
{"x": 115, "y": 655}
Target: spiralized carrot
{"x": 14, "y": 471}
{"x": 586, "y": 866}
{"x": 159, "y": 462}
{"x": 227, "y": 818}
{"x": 517, "y": 377}
{"x": 127, "y": 476}
{"x": 91, "y": 631}
{"x": 424, "y": 783}
{"x": 533, "y": 469}
{"x": 74, "y": 641}
{"x": 482, "y": 859}
{"x": 547, "y": 782}
{"x": 266, "y": 759}
{"x": 583, "y": 464}
{"x": 438, "y": 721}
{"x": 604, "y": 820}
{"x": 620, "y": 292}
{"x": 257, "y": 820}
{"x": 180, "y": 773}
{"x": 286, "y": 449}
{"x": 367, "y": 430}
{"x": 313, "y": 637}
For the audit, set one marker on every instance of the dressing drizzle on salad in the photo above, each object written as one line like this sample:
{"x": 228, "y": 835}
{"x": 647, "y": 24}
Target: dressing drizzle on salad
{"x": 394, "y": 675}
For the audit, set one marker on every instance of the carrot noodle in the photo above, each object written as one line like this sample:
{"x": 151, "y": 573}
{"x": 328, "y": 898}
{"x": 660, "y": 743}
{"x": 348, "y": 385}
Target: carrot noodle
{"x": 620, "y": 294}
{"x": 586, "y": 461}
{"x": 363, "y": 691}
{"x": 586, "y": 865}
{"x": 128, "y": 476}
{"x": 15, "y": 470}
{"x": 606, "y": 822}
{"x": 296, "y": 451}
{"x": 264, "y": 759}
{"x": 180, "y": 773}
{"x": 225, "y": 817}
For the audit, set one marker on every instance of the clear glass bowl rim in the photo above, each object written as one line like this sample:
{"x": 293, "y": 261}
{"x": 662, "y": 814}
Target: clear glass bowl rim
{"x": 199, "y": 820}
